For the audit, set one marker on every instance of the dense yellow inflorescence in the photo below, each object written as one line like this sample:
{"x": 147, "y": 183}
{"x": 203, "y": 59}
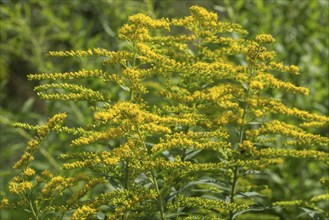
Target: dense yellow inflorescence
{"x": 186, "y": 128}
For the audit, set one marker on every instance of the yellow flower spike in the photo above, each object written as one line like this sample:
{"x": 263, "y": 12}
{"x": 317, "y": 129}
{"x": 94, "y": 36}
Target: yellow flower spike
{"x": 79, "y": 53}
{"x": 4, "y": 203}
{"x": 28, "y": 172}
{"x": 271, "y": 81}
{"x": 138, "y": 29}
{"x": 288, "y": 203}
{"x": 56, "y": 183}
{"x": 278, "y": 127}
{"x": 25, "y": 159}
{"x": 313, "y": 124}
{"x": 275, "y": 106}
{"x": 258, "y": 113}
{"x": 265, "y": 38}
{"x": 208, "y": 18}
{"x": 33, "y": 144}
{"x": 294, "y": 69}
{"x": 56, "y": 120}
{"x": 318, "y": 155}
{"x": 80, "y": 92}
{"x": 20, "y": 187}
{"x": 26, "y": 126}
{"x": 111, "y": 133}
{"x": 180, "y": 140}
{"x": 68, "y": 75}
{"x": 247, "y": 146}
{"x": 83, "y": 213}
{"x": 322, "y": 197}
{"x": 196, "y": 202}
{"x": 263, "y": 56}
{"x": 257, "y": 85}
{"x": 146, "y": 21}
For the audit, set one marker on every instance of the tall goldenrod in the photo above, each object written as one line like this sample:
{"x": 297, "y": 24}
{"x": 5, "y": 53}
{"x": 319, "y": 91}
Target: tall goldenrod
{"x": 198, "y": 152}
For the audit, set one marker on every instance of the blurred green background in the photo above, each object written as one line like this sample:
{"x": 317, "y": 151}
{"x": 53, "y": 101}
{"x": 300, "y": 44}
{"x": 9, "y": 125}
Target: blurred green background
{"x": 30, "y": 28}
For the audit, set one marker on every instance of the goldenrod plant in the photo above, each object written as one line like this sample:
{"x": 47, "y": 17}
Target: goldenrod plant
{"x": 193, "y": 133}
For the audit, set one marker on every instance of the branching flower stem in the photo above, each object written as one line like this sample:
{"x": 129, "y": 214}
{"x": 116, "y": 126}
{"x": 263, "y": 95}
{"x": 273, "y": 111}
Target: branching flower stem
{"x": 32, "y": 209}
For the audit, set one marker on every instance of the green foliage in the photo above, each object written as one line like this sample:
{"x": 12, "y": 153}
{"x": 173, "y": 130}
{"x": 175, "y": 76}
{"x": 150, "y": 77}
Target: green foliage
{"x": 191, "y": 134}
{"x": 298, "y": 29}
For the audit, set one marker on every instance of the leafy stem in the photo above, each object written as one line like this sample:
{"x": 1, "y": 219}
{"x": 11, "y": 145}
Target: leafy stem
{"x": 241, "y": 134}
{"x": 153, "y": 179}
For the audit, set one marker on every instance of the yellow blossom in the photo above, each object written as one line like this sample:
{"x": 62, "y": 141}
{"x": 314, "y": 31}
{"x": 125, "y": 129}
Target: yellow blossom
{"x": 20, "y": 187}
{"x": 288, "y": 203}
{"x": 83, "y": 213}
{"x": 320, "y": 197}
{"x": 28, "y": 172}
{"x": 264, "y": 38}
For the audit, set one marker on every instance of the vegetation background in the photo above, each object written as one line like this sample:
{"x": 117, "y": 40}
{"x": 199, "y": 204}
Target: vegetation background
{"x": 30, "y": 28}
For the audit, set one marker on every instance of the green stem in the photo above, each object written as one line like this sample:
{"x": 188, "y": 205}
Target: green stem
{"x": 234, "y": 183}
{"x": 160, "y": 199}
{"x": 236, "y": 168}
{"x": 126, "y": 174}
{"x": 153, "y": 179}
{"x": 32, "y": 209}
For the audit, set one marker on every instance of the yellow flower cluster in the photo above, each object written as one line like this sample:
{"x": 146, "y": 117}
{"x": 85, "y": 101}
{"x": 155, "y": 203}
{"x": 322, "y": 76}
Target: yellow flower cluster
{"x": 247, "y": 146}
{"x": 313, "y": 124}
{"x": 266, "y": 55}
{"x": 196, "y": 202}
{"x": 19, "y": 186}
{"x": 321, "y": 197}
{"x": 45, "y": 175}
{"x": 271, "y": 82}
{"x": 278, "y": 127}
{"x": 83, "y": 213}
{"x": 88, "y": 159}
{"x": 254, "y": 163}
{"x": 26, "y": 126}
{"x": 56, "y": 120}
{"x": 222, "y": 95}
{"x": 185, "y": 166}
{"x": 138, "y": 29}
{"x": 80, "y": 53}
{"x": 129, "y": 114}
{"x": 269, "y": 152}
{"x": 229, "y": 116}
{"x": 288, "y": 203}
{"x": 204, "y": 16}
{"x": 204, "y": 23}
{"x": 55, "y": 184}
{"x": 280, "y": 67}
{"x": 147, "y": 54}
{"x": 27, "y": 172}
{"x": 34, "y": 143}
{"x": 4, "y": 204}
{"x": 73, "y": 131}
{"x": 68, "y": 75}
{"x": 137, "y": 201}
{"x": 192, "y": 140}
{"x": 80, "y": 92}
{"x": 265, "y": 38}
{"x": 111, "y": 133}
{"x": 275, "y": 106}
